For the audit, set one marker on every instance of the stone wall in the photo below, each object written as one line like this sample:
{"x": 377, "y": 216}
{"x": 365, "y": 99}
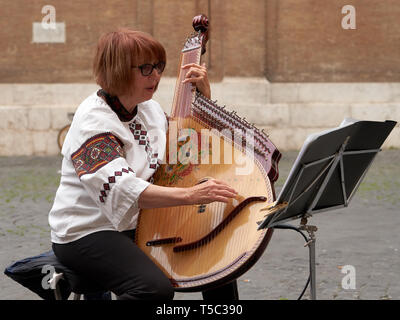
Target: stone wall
{"x": 32, "y": 114}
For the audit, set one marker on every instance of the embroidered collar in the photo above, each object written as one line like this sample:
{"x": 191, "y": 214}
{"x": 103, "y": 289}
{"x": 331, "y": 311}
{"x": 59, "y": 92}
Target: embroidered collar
{"x": 116, "y": 105}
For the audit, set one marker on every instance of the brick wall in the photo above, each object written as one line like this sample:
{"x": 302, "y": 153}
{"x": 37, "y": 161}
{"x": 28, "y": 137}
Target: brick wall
{"x": 283, "y": 40}
{"x": 306, "y": 42}
{"x": 25, "y": 62}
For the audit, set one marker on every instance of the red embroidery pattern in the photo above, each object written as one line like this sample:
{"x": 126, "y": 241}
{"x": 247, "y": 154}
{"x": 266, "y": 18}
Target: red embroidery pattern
{"x": 107, "y": 186}
{"x": 140, "y": 134}
{"x": 96, "y": 152}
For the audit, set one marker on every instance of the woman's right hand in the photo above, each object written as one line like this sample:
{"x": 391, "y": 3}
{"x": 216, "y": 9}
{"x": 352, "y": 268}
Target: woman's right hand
{"x": 155, "y": 196}
{"x": 210, "y": 191}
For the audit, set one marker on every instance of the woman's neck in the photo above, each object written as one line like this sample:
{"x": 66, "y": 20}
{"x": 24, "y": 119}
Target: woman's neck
{"x": 128, "y": 101}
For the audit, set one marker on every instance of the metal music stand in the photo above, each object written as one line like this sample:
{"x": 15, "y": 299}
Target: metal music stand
{"x": 326, "y": 174}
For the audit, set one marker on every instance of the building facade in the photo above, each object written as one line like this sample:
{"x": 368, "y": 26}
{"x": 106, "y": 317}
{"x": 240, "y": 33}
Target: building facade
{"x": 291, "y": 66}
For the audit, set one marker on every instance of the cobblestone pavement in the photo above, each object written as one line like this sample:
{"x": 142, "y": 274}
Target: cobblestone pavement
{"x": 365, "y": 235}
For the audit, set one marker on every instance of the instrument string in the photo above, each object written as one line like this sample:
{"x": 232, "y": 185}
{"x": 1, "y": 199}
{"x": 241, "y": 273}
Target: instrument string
{"x": 213, "y": 212}
{"x": 177, "y": 226}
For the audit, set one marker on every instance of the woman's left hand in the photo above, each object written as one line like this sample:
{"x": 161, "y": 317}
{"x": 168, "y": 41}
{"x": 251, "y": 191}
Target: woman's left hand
{"x": 197, "y": 75}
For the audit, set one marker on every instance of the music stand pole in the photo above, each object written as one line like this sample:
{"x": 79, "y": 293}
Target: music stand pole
{"x": 311, "y": 249}
{"x": 313, "y": 288}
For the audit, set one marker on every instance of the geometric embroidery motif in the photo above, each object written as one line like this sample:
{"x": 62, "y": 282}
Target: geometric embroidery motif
{"x": 108, "y": 185}
{"x": 96, "y": 152}
{"x": 140, "y": 134}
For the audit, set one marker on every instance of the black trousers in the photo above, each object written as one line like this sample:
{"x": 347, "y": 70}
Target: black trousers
{"x": 112, "y": 260}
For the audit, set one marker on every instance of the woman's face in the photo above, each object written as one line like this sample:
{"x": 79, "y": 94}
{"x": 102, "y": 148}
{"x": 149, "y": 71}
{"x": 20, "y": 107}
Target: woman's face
{"x": 145, "y": 86}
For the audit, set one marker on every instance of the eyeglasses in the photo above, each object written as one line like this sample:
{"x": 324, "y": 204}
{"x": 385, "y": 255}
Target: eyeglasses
{"x": 147, "y": 68}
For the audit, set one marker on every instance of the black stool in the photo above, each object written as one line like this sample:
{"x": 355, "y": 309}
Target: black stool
{"x": 47, "y": 277}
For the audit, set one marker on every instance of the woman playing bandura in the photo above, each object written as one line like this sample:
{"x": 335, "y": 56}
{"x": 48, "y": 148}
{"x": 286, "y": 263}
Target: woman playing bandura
{"x": 115, "y": 143}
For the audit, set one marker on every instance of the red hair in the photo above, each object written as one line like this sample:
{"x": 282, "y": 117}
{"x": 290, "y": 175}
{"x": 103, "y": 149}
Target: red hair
{"x": 117, "y": 52}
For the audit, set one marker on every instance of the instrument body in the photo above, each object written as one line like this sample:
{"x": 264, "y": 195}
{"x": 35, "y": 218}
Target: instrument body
{"x": 202, "y": 246}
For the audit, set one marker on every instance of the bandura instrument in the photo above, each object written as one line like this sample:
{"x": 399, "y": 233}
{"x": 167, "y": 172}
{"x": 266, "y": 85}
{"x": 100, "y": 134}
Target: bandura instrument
{"x": 202, "y": 246}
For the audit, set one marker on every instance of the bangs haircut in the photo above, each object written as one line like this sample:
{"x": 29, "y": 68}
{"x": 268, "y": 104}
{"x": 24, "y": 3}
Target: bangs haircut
{"x": 117, "y": 52}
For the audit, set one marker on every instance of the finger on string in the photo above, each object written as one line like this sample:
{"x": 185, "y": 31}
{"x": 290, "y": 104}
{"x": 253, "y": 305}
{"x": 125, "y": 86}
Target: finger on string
{"x": 226, "y": 188}
{"x": 221, "y": 199}
{"x": 194, "y": 71}
{"x": 194, "y": 65}
{"x": 222, "y": 183}
{"x": 219, "y": 181}
{"x": 190, "y": 65}
{"x": 230, "y": 191}
{"x": 193, "y": 80}
{"x": 227, "y": 194}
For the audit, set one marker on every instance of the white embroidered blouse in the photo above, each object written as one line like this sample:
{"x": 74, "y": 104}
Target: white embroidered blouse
{"x": 109, "y": 157}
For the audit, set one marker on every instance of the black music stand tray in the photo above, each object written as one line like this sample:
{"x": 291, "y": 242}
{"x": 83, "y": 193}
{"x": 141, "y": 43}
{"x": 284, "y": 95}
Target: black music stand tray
{"x": 326, "y": 174}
